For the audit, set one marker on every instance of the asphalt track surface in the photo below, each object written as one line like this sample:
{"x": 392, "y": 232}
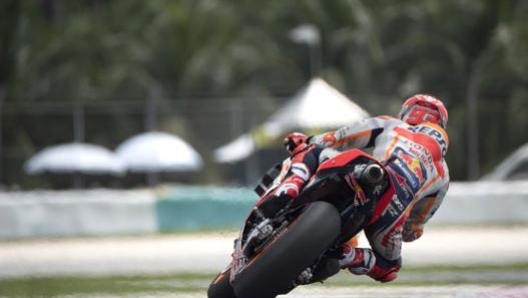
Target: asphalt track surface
{"x": 209, "y": 253}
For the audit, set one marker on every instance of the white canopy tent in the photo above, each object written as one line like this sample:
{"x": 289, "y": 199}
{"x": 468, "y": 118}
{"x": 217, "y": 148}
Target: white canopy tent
{"x": 317, "y": 106}
{"x": 153, "y": 152}
{"x": 74, "y": 158}
{"x": 238, "y": 149}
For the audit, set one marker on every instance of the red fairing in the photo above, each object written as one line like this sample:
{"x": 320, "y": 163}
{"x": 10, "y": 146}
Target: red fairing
{"x": 342, "y": 159}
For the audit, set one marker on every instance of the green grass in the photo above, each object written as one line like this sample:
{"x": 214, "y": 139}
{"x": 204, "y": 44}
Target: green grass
{"x": 69, "y": 285}
{"x": 192, "y": 282}
{"x": 512, "y": 274}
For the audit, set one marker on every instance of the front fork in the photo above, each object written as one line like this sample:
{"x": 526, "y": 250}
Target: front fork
{"x": 263, "y": 230}
{"x": 256, "y": 239}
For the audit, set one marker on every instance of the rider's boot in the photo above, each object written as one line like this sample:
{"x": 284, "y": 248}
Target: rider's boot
{"x": 361, "y": 261}
{"x": 358, "y": 260}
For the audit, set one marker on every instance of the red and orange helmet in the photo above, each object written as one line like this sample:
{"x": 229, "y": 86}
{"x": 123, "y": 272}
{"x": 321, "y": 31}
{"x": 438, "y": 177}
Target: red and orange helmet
{"x": 422, "y": 108}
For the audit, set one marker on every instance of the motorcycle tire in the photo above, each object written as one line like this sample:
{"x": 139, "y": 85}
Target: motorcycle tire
{"x": 273, "y": 271}
{"x": 221, "y": 287}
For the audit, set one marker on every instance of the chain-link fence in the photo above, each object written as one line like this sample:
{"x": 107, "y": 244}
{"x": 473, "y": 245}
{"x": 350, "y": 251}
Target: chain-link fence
{"x": 205, "y": 124}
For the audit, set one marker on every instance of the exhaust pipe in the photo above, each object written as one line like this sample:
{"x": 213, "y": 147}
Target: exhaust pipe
{"x": 373, "y": 174}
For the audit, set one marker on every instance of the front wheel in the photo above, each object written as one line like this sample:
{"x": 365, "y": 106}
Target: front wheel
{"x": 220, "y": 287}
{"x": 273, "y": 271}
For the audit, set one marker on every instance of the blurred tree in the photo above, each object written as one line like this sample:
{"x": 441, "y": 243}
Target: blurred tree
{"x": 8, "y": 20}
{"x": 453, "y": 49}
{"x": 101, "y": 54}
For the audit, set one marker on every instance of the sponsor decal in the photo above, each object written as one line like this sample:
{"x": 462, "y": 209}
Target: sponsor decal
{"x": 403, "y": 185}
{"x": 411, "y": 166}
{"x": 360, "y": 197}
{"x": 391, "y": 210}
{"x": 397, "y": 202}
{"x": 434, "y": 133}
{"x": 358, "y": 170}
{"x": 377, "y": 190}
{"x": 395, "y": 208}
{"x": 409, "y": 178}
{"x": 421, "y": 153}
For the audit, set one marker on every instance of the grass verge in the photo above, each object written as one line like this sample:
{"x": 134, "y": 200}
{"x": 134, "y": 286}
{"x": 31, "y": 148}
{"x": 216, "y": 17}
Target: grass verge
{"x": 516, "y": 274}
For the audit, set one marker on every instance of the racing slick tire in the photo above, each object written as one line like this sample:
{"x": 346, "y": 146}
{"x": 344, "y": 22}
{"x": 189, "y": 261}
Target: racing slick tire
{"x": 221, "y": 287}
{"x": 274, "y": 270}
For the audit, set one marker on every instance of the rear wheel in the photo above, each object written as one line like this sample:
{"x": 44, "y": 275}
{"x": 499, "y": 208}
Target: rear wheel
{"x": 273, "y": 271}
{"x": 220, "y": 287}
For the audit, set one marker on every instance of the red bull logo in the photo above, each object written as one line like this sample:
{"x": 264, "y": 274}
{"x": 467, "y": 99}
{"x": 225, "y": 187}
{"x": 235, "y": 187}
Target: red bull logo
{"x": 360, "y": 198}
{"x": 413, "y": 165}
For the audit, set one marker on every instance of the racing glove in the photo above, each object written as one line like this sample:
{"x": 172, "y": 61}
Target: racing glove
{"x": 295, "y": 142}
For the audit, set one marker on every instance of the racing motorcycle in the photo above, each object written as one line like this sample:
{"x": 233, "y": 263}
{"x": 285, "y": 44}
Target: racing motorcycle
{"x": 301, "y": 243}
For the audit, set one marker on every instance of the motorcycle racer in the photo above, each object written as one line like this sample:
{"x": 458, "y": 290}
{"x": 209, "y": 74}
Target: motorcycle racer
{"x": 412, "y": 147}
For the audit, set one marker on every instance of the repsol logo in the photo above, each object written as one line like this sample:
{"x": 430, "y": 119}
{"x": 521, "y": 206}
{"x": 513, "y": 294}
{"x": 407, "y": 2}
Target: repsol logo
{"x": 434, "y": 133}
